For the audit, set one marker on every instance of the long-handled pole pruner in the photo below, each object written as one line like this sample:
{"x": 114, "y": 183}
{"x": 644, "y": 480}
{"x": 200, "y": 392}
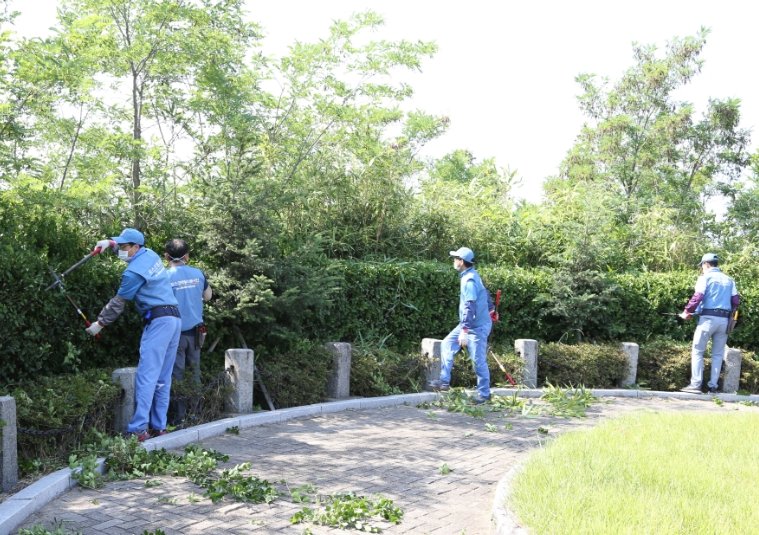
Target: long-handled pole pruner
{"x": 509, "y": 378}
{"x": 59, "y": 278}
{"x": 59, "y": 282}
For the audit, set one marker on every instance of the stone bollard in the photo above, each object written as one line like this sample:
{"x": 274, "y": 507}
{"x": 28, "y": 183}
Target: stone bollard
{"x": 528, "y": 350}
{"x": 732, "y": 377}
{"x": 124, "y": 377}
{"x": 339, "y": 384}
{"x": 8, "y": 451}
{"x": 242, "y": 375}
{"x": 630, "y": 350}
{"x": 431, "y": 351}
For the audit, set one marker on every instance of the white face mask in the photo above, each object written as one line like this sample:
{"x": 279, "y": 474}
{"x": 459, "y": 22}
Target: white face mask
{"x": 123, "y": 255}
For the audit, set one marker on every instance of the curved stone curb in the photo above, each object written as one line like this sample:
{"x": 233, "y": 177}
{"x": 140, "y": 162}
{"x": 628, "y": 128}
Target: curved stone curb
{"x": 505, "y": 521}
{"x": 17, "y": 508}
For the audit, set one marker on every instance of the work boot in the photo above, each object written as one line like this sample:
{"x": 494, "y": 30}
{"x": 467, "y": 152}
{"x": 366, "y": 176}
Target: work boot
{"x": 438, "y": 386}
{"x": 156, "y": 433}
{"x": 479, "y": 400}
{"x": 713, "y": 390}
{"x": 141, "y": 436}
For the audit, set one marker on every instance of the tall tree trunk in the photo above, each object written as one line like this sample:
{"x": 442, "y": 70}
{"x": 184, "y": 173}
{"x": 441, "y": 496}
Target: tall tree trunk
{"x": 137, "y": 136}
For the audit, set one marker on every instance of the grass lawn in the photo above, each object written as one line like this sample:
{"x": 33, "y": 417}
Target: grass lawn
{"x": 646, "y": 473}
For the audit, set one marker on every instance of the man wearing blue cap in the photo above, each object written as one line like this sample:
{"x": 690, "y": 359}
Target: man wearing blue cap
{"x": 473, "y": 329}
{"x": 146, "y": 282}
{"x": 714, "y": 300}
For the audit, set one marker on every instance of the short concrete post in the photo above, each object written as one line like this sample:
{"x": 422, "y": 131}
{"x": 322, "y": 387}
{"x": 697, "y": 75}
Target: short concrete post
{"x": 528, "y": 350}
{"x": 431, "y": 353}
{"x": 630, "y": 350}
{"x": 732, "y": 378}
{"x": 339, "y": 384}
{"x": 8, "y": 446}
{"x": 242, "y": 375}
{"x": 124, "y": 377}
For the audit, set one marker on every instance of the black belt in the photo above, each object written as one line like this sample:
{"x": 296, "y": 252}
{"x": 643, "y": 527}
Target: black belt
{"x": 159, "y": 312}
{"x": 719, "y": 312}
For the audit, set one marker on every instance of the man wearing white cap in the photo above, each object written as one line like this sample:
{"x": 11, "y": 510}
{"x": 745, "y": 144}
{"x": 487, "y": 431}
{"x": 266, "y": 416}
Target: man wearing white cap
{"x": 714, "y": 300}
{"x": 146, "y": 282}
{"x": 473, "y": 329}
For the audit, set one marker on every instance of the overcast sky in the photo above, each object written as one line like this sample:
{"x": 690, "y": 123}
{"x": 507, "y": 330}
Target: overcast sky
{"x": 504, "y": 73}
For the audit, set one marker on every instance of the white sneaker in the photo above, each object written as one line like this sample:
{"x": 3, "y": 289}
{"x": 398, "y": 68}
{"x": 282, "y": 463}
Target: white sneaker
{"x": 691, "y": 390}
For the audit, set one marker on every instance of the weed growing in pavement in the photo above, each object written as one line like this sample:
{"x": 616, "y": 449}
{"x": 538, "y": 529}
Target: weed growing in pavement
{"x": 234, "y": 430}
{"x": 568, "y": 402}
{"x": 350, "y": 511}
{"x": 718, "y": 401}
{"x": 748, "y": 403}
{"x": 150, "y": 483}
{"x": 490, "y": 428}
{"x": 156, "y": 532}
{"x": 38, "y": 529}
{"x": 445, "y": 469}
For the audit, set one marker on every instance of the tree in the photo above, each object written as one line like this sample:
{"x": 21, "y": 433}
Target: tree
{"x": 465, "y": 202}
{"x": 651, "y": 152}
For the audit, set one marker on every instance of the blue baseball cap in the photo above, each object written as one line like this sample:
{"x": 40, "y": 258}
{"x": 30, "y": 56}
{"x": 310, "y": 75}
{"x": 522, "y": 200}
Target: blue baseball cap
{"x": 709, "y": 257}
{"x": 465, "y": 253}
{"x": 130, "y": 235}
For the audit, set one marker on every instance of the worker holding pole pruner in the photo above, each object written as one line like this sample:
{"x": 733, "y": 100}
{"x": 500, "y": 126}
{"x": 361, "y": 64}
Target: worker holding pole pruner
{"x": 146, "y": 282}
{"x": 473, "y": 329}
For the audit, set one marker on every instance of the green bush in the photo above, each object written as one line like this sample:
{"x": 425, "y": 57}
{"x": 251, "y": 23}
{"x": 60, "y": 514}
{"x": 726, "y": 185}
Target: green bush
{"x": 665, "y": 364}
{"x": 590, "y": 365}
{"x": 296, "y": 376}
{"x": 55, "y": 414}
{"x": 377, "y": 370}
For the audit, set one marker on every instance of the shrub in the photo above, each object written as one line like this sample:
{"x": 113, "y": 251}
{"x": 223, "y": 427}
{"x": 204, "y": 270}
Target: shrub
{"x": 377, "y": 370}
{"x": 591, "y": 365}
{"x": 295, "y": 376}
{"x": 665, "y": 364}
{"x": 55, "y": 414}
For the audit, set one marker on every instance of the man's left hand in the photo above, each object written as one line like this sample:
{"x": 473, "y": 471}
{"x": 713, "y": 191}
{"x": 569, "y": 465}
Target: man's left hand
{"x": 494, "y": 316}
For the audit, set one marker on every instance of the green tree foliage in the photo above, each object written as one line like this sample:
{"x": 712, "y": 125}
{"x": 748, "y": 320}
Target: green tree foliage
{"x": 466, "y": 202}
{"x": 645, "y": 166}
{"x": 339, "y": 143}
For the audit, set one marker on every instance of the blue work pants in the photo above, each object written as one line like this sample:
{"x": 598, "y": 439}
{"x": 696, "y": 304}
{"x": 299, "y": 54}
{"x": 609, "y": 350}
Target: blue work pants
{"x": 158, "y": 349}
{"x": 477, "y": 347}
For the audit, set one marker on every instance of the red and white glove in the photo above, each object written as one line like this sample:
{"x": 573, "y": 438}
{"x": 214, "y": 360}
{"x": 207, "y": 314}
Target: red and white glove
{"x": 94, "y": 328}
{"x": 103, "y": 245}
{"x": 494, "y": 316}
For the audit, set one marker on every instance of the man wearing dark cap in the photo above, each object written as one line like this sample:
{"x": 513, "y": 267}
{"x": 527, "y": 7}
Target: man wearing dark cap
{"x": 474, "y": 327}
{"x": 191, "y": 289}
{"x": 714, "y": 300}
{"x": 146, "y": 282}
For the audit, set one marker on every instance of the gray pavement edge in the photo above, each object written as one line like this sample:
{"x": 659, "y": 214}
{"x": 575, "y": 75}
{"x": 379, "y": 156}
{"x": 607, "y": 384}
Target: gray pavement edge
{"x": 18, "y": 507}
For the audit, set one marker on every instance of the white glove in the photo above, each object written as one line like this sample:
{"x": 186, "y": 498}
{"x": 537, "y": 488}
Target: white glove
{"x": 94, "y": 329}
{"x": 103, "y": 245}
{"x": 463, "y": 339}
{"x": 685, "y": 315}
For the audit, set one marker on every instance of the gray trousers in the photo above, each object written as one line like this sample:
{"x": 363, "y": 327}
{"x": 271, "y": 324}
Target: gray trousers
{"x": 188, "y": 356}
{"x": 708, "y": 327}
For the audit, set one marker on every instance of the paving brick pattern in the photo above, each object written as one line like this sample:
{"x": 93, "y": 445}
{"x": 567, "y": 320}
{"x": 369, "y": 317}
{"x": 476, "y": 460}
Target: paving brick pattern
{"x": 396, "y": 452}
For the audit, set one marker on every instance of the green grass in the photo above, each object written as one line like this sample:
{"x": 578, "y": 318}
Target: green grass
{"x": 646, "y": 473}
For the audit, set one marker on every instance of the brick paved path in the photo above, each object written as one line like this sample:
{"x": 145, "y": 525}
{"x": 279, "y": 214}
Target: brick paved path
{"x": 396, "y": 452}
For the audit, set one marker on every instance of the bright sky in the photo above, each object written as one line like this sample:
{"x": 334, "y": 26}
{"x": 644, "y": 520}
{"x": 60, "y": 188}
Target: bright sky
{"x": 504, "y": 73}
